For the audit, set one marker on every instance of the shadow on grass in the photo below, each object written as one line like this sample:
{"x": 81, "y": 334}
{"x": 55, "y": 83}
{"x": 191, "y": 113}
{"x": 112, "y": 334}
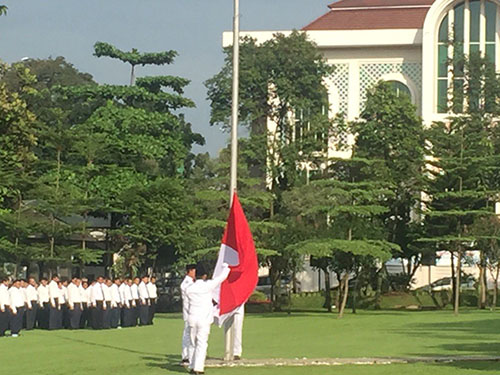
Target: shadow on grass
{"x": 94, "y": 344}
{"x": 169, "y": 362}
{"x": 472, "y": 365}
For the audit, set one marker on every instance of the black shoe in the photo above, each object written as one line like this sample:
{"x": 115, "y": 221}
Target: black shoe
{"x": 236, "y": 358}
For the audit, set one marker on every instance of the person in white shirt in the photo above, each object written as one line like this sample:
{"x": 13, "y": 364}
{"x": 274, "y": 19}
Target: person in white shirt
{"x": 127, "y": 300}
{"x": 75, "y": 303}
{"x": 186, "y": 338}
{"x": 86, "y": 304}
{"x": 134, "y": 288}
{"x": 201, "y": 315}
{"x": 98, "y": 303}
{"x": 153, "y": 297}
{"x": 106, "y": 317}
{"x": 4, "y": 306}
{"x": 116, "y": 303}
{"x": 55, "y": 315}
{"x": 144, "y": 301}
{"x": 63, "y": 302}
{"x": 17, "y": 307}
{"x": 32, "y": 303}
{"x": 43, "y": 304}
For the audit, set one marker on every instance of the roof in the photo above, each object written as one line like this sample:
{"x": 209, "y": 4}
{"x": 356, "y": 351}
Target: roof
{"x": 379, "y": 3}
{"x": 373, "y": 14}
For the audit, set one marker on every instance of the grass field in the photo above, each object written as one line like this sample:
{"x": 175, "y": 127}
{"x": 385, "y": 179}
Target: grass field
{"x": 155, "y": 349}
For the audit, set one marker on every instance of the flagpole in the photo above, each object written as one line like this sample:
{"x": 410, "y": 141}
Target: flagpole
{"x": 229, "y": 329}
{"x": 234, "y": 109}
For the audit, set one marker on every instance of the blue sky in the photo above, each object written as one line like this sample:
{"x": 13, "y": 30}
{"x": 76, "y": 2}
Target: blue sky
{"x": 69, "y": 28}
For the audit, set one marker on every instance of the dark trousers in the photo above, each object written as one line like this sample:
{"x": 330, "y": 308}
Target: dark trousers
{"x": 135, "y": 317}
{"x": 143, "y": 314}
{"x": 128, "y": 316}
{"x": 16, "y": 321}
{"x": 31, "y": 315}
{"x": 43, "y": 316}
{"x": 85, "y": 317}
{"x": 4, "y": 321}
{"x": 114, "y": 314}
{"x": 106, "y": 316}
{"x": 98, "y": 315}
{"x": 152, "y": 310}
{"x": 65, "y": 316}
{"x": 74, "y": 316}
{"x": 55, "y": 316}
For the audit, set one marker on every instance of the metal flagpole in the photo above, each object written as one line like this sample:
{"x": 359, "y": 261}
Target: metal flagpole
{"x": 229, "y": 329}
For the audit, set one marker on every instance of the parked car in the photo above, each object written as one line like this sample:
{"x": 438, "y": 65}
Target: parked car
{"x": 446, "y": 284}
{"x": 264, "y": 285}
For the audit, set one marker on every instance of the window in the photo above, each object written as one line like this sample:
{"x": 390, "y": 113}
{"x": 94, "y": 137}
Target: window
{"x": 400, "y": 88}
{"x": 469, "y": 27}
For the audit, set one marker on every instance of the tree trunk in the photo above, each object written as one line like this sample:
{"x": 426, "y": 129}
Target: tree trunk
{"x": 378, "y": 293}
{"x": 457, "y": 282}
{"x": 482, "y": 283}
{"x": 339, "y": 291}
{"x": 344, "y": 296}
{"x": 132, "y": 76}
{"x": 453, "y": 276}
{"x": 495, "y": 289}
{"x": 355, "y": 293}
{"x": 328, "y": 295}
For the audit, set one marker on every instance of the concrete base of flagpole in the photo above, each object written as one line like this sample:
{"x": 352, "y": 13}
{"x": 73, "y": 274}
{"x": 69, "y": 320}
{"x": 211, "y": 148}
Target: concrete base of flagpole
{"x": 229, "y": 338}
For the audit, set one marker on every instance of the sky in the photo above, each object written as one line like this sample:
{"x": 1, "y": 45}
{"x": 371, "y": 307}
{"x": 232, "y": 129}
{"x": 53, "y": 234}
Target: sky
{"x": 69, "y": 28}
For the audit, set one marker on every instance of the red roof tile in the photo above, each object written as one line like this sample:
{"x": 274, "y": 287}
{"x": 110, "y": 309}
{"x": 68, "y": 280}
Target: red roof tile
{"x": 370, "y": 18}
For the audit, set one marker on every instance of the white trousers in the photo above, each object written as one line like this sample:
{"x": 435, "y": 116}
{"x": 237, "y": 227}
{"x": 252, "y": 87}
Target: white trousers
{"x": 186, "y": 341}
{"x": 199, "y": 332}
{"x": 238, "y": 334}
{"x": 237, "y": 321}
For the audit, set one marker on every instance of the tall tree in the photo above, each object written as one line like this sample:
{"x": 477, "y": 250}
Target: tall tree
{"x": 390, "y": 131}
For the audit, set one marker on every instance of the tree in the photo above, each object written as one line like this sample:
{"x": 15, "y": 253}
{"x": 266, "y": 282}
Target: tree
{"x": 390, "y": 131}
{"x": 134, "y": 57}
{"x": 463, "y": 172}
{"x": 282, "y": 81}
{"x": 341, "y": 216}
{"x": 3, "y": 10}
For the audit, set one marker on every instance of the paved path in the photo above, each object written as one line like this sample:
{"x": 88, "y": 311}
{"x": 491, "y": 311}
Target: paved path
{"x": 346, "y": 361}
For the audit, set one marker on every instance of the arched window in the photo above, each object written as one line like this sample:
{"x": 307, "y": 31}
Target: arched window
{"x": 400, "y": 88}
{"x": 469, "y": 27}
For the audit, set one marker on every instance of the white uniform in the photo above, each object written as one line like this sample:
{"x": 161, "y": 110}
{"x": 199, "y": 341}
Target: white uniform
{"x": 53, "y": 293}
{"x": 4, "y": 297}
{"x": 152, "y": 290}
{"x": 238, "y": 317}
{"x": 186, "y": 338}
{"x": 43, "y": 295}
{"x": 115, "y": 296}
{"x": 31, "y": 296}
{"x": 201, "y": 316}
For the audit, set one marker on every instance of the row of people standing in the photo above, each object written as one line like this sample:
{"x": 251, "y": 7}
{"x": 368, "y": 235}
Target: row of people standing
{"x": 76, "y": 303}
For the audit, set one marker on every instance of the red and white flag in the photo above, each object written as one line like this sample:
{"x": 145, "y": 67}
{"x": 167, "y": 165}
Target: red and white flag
{"x": 237, "y": 250}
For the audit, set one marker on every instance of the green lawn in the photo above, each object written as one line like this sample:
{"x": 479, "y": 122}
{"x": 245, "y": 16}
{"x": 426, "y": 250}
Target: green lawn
{"x": 154, "y": 350}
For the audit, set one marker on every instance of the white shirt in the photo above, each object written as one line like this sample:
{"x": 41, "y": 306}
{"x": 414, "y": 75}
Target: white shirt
{"x": 199, "y": 297}
{"x": 27, "y": 302}
{"x": 63, "y": 295}
{"x": 4, "y": 296}
{"x": 16, "y": 298}
{"x": 152, "y": 290}
{"x": 31, "y": 293}
{"x": 115, "y": 295}
{"x": 85, "y": 293}
{"x": 106, "y": 290}
{"x": 143, "y": 293}
{"x": 126, "y": 294}
{"x": 96, "y": 293}
{"x": 43, "y": 294}
{"x": 135, "y": 291}
{"x": 186, "y": 283}
{"x": 53, "y": 292}
{"x": 74, "y": 295}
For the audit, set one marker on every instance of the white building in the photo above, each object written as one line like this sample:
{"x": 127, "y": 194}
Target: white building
{"x": 405, "y": 42}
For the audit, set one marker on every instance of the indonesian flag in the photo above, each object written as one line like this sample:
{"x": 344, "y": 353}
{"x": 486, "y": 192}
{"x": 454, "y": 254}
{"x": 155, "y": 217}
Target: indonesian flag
{"x": 237, "y": 250}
